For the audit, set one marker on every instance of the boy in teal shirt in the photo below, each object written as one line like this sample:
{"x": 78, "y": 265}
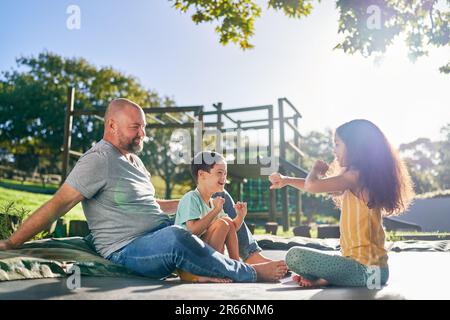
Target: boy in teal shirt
{"x": 204, "y": 216}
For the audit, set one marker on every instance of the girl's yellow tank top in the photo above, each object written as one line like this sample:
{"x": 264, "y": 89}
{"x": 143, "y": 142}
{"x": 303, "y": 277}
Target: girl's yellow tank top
{"x": 362, "y": 234}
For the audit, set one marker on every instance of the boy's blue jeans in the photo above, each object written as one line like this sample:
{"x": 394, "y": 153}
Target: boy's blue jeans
{"x": 159, "y": 253}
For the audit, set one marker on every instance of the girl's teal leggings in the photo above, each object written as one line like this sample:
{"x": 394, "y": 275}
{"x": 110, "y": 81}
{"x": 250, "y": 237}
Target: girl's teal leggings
{"x": 314, "y": 264}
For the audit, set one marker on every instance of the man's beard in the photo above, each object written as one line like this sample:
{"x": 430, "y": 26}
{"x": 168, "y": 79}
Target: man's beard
{"x": 131, "y": 146}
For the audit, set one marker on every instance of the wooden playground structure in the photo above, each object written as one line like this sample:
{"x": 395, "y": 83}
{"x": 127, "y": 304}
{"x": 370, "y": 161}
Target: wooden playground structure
{"x": 240, "y": 173}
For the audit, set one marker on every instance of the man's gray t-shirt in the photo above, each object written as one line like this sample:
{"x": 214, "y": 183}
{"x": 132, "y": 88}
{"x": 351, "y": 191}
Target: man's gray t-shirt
{"x": 119, "y": 202}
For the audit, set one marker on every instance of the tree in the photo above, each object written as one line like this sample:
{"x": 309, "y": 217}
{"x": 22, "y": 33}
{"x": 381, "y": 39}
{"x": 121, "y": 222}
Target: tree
{"x": 368, "y": 27}
{"x": 317, "y": 145}
{"x": 444, "y": 153}
{"x": 422, "y": 159}
{"x": 33, "y": 103}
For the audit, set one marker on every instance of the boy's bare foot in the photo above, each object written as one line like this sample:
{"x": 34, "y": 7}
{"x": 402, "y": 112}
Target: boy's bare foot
{"x": 257, "y": 257}
{"x": 305, "y": 283}
{"x": 270, "y": 271}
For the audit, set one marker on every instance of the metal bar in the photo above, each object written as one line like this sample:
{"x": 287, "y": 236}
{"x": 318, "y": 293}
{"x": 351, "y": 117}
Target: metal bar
{"x": 257, "y": 127}
{"x": 219, "y": 127}
{"x": 190, "y": 117}
{"x": 230, "y": 118}
{"x": 294, "y": 148}
{"x": 250, "y": 121}
{"x": 212, "y": 124}
{"x": 261, "y": 120}
{"x": 298, "y": 196}
{"x": 292, "y": 106}
{"x": 168, "y": 115}
{"x": 88, "y": 112}
{"x": 272, "y": 193}
{"x": 293, "y": 127}
{"x": 219, "y": 115}
{"x": 155, "y": 119}
{"x": 99, "y": 118}
{"x": 247, "y": 109}
{"x": 284, "y": 194}
{"x": 210, "y": 113}
{"x": 73, "y": 153}
{"x": 101, "y": 112}
{"x": 172, "y": 109}
{"x": 198, "y": 131}
{"x": 67, "y": 133}
{"x": 176, "y": 125}
{"x": 290, "y": 167}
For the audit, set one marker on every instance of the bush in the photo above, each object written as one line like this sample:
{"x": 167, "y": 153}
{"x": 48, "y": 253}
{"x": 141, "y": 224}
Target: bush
{"x": 11, "y": 217}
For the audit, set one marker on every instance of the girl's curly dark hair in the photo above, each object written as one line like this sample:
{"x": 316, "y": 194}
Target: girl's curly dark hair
{"x": 382, "y": 174}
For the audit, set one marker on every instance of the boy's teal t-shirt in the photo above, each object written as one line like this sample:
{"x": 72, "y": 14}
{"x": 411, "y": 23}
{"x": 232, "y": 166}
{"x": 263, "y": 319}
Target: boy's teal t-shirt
{"x": 192, "y": 207}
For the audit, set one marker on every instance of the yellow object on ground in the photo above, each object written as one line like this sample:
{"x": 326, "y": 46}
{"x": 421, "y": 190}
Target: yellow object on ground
{"x": 187, "y": 276}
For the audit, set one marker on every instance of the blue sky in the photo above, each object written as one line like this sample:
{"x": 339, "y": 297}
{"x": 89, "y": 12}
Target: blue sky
{"x": 292, "y": 58}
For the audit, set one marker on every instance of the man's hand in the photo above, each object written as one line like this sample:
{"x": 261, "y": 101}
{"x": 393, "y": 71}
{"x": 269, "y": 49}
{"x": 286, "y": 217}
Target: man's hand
{"x": 278, "y": 180}
{"x": 241, "y": 209}
{"x": 6, "y": 245}
{"x": 168, "y": 206}
{"x": 218, "y": 203}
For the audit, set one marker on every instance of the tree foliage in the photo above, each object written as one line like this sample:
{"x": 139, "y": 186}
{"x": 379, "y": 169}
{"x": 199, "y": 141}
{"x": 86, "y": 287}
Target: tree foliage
{"x": 422, "y": 23}
{"x": 33, "y": 100}
{"x": 317, "y": 145}
{"x": 429, "y": 162}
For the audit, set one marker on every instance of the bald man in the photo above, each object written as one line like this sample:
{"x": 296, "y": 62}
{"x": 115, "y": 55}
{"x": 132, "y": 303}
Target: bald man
{"x": 128, "y": 225}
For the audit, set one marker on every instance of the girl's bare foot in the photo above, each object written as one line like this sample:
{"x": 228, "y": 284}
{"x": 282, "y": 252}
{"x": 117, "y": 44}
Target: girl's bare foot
{"x": 305, "y": 283}
{"x": 257, "y": 257}
{"x": 270, "y": 271}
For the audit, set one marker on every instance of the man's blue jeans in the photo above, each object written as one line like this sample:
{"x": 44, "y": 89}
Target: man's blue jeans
{"x": 159, "y": 253}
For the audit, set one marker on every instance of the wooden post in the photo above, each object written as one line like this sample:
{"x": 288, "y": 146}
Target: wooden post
{"x": 298, "y": 196}
{"x": 284, "y": 192}
{"x": 67, "y": 133}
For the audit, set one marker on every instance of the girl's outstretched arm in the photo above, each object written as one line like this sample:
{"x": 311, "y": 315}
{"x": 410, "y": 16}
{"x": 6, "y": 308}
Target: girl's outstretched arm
{"x": 314, "y": 182}
{"x": 279, "y": 181}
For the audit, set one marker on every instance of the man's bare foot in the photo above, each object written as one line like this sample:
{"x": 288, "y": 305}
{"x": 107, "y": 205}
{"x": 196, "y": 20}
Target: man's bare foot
{"x": 257, "y": 257}
{"x": 187, "y": 276}
{"x": 305, "y": 283}
{"x": 201, "y": 279}
{"x": 270, "y": 271}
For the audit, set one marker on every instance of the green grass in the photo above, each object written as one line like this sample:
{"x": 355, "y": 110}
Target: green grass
{"x": 400, "y": 235}
{"x": 434, "y": 194}
{"x": 285, "y": 234}
{"x": 280, "y": 232}
{"x": 31, "y": 201}
{"x": 160, "y": 188}
{"x": 28, "y": 186}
